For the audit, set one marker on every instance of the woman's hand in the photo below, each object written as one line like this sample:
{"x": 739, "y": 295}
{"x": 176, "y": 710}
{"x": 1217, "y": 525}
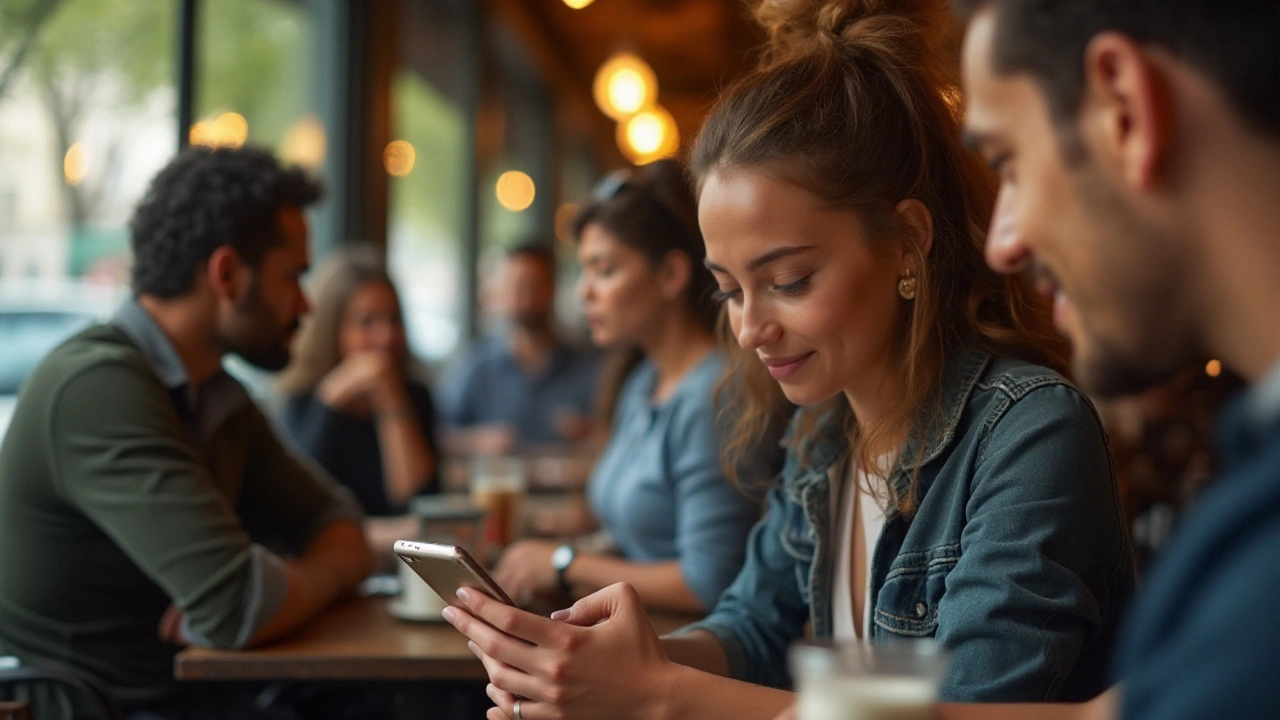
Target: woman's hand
{"x": 364, "y": 382}
{"x": 524, "y": 570}
{"x": 170, "y": 629}
{"x": 601, "y": 658}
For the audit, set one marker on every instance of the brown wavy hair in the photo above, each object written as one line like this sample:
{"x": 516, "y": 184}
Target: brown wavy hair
{"x": 855, "y": 101}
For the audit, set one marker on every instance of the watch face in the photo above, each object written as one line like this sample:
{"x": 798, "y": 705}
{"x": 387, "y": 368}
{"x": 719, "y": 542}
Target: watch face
{"x": 562, "y": 557}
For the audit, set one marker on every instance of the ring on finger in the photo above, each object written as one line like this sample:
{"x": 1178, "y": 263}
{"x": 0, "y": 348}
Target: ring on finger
{"x": 515, "y": 710}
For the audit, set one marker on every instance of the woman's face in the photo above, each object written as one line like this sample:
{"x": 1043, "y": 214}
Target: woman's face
{"x": 802, "y": 287}
{"x": 372, "y": 321}
{"x": 619, "y": 289}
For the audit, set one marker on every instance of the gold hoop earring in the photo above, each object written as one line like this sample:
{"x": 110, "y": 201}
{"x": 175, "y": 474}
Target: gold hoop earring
{"x": 907, "y": 287}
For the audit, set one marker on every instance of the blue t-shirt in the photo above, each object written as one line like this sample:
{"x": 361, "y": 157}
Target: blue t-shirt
{"x": 489, "y": 387}
{"x": 658, "y": 488}
{"x": 1204, "y": 639}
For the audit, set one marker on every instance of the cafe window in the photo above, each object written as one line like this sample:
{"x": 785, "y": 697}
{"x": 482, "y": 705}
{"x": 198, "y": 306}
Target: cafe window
{"x": 87, "y": 116}
{"x": 254, "y": 80}
{"x": 425, "y": 233}
{"x": 427, "y": 162}
{"x": 516, "y": 151}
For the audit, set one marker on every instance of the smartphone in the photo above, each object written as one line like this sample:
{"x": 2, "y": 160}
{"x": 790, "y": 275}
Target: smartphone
{"x": 447, "y": 568}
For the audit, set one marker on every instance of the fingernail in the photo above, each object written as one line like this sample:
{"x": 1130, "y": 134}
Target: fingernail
{"x": 561, "y": 615}
{"x": 465, "y": 594}
{"x": 449, "y": 614}
{"x": 475, "y": 649}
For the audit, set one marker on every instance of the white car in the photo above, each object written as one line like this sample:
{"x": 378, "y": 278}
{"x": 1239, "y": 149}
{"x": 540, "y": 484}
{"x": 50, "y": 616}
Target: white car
{"x": 35, "y": 317}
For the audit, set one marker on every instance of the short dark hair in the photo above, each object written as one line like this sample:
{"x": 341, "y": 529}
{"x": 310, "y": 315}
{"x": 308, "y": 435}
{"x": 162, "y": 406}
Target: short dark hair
{"x": 206, "y": 198}
{"x": 1236, "y": 44}
{"x": 536, "y": 248}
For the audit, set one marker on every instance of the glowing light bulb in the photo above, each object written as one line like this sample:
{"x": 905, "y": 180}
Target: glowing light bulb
{"x": 648, "y": 135}
{"x": 399, "y": 158}
{"x": 515, "y": 190}
{"x": 623, "y": 85}
{"x": 304, "y": 143}
{"x": 73, "y": 166}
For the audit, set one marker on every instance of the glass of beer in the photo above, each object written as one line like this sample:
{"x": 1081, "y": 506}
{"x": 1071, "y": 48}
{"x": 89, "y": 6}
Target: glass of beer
{"x": 498, "y": 486}
{"x": 857, "y": 681}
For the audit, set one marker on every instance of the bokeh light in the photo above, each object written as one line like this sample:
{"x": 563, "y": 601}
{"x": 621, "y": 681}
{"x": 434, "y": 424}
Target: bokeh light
{"x": 304, "y": 143}
{"x": 73, "y": 165}
{"x": 515, "y": 190}
{"x": 624, "y": 85}
{"x": 228, "y": 130}
{"x": 399, "y": 158}
{"x": 648, "y": 135}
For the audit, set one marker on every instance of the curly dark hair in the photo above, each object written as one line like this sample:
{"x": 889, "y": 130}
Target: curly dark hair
{"x": 206, "y": 198}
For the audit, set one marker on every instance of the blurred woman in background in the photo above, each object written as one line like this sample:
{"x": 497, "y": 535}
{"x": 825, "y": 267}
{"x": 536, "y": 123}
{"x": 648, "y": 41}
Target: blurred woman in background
{"x": 658, "y": 490}
{"x": 350, "y": 398}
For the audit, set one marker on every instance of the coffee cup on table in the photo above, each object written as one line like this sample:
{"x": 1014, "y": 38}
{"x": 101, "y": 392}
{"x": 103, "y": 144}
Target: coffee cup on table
{"x": 417, "y": 601}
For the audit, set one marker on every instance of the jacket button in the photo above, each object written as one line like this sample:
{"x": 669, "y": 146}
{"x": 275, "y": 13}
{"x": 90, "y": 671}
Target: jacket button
{"x": 921, "y": 609}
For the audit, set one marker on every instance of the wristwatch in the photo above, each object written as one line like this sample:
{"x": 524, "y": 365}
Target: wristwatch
{"x": 560, "y": 561}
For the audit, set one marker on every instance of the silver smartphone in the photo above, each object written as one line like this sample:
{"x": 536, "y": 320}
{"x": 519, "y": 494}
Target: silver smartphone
{"x": 446, "y": 568}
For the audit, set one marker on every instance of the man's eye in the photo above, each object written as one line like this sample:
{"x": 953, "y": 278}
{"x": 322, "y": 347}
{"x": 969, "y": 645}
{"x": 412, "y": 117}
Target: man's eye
{"x": 1000, "y": 162}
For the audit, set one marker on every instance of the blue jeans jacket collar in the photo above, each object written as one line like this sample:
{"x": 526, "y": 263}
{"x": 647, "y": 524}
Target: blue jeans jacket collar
{"x": 828, "y": 444}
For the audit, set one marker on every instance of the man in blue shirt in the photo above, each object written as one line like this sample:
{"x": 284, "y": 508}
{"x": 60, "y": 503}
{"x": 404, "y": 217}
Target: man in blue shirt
{"x": 1138, "y": 148}
{"x": 529, "y": 386}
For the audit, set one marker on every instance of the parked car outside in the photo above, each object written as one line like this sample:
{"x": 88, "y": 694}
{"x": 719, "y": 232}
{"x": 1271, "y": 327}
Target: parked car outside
{"x": 35, "y": 317}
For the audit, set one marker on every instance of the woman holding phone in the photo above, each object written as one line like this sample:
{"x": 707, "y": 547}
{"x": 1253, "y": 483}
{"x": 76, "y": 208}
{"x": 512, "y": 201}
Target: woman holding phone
{"x": 940, "y": 475}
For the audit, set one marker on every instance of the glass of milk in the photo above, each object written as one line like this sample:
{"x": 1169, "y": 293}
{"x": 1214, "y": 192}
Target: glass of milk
{"x": 857, "y": 681}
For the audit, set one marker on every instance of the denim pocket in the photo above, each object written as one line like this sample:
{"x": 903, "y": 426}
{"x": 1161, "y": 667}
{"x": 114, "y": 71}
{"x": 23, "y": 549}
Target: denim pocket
{"x": 907, "y": 604}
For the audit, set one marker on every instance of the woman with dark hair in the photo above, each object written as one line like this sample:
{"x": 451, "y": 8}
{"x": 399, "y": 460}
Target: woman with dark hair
{"x": 658, "y": 490}
{"x": 941, "y": 480}
{"x": 350, "y": 400}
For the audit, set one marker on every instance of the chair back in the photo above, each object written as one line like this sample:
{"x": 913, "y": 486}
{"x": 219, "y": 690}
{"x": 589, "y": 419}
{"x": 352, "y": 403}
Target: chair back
{"x": 33, "y": 678}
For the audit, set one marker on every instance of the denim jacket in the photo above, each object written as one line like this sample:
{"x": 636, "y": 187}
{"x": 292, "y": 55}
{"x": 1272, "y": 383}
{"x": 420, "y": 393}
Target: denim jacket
{"x": 1016, "y": 558}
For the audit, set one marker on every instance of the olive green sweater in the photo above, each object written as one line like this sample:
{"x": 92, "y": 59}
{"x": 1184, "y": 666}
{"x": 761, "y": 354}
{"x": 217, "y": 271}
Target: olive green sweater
{"x": 122, "y": 492}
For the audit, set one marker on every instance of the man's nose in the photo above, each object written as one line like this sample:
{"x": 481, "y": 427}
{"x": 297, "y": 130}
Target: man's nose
{"x": 1006, "y": 249}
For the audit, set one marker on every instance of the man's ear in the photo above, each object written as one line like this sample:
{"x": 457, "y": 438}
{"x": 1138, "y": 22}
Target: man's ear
{"x": 225, "y": 272}
{"x": 674, "y": 273}
{"x": 919, "y": 241}
{"x": 1126, "y": 109}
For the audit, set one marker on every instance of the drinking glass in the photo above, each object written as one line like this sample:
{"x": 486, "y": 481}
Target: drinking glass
{"x": 859, "y": 681}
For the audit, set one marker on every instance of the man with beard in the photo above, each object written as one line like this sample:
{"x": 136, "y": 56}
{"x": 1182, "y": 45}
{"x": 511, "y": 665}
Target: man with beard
{"x": 140, "y": 487}
{"x": 1138, "y": 148}
{"x": 526, "y": 387}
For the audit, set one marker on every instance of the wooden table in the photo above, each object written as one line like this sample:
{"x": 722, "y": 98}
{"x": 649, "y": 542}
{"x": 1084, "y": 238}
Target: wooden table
{"x": 355, "y": 640}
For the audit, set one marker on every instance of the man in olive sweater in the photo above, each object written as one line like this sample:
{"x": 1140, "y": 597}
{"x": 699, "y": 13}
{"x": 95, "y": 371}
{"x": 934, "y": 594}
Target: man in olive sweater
{"x": 145, "y": 502}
